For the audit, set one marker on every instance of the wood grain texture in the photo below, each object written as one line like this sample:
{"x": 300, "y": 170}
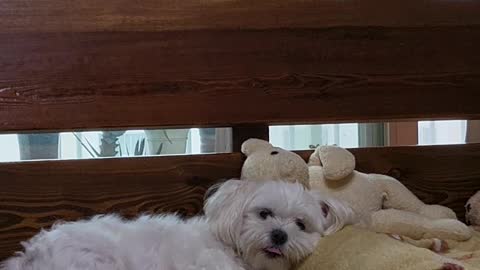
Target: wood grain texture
{"x": 65, "y": 81}
{"x": 161, "y": 15}
{"x": 35, "y": 194}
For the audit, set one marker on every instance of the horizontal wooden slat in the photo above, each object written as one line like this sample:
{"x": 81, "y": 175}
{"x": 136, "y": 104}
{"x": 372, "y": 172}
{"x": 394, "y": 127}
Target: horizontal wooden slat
{"x": 34, "y": 194}
{"x": 86, "y": 64}
{"x": 160, "y": 15}
{"x": 64, "y": 81}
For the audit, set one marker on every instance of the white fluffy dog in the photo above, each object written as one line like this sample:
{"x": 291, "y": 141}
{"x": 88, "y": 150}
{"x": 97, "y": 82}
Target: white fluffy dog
{"x": 247, "y": 225}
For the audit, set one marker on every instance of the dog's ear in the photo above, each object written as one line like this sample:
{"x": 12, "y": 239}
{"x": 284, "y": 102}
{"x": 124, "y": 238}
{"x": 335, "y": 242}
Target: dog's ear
{"x": 335, "y": 213}
{"x": 224, "y": 209}
{"x": 213, "y": 189}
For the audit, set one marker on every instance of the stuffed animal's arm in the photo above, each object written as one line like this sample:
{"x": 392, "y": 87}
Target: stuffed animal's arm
{"x": 434, "y": 244}
{"x": 399, "y": 197}
{"x": 415, "y": 226}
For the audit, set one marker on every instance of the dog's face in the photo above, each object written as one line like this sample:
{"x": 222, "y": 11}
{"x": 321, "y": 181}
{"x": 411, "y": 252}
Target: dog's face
{"x": 272, "y": 225}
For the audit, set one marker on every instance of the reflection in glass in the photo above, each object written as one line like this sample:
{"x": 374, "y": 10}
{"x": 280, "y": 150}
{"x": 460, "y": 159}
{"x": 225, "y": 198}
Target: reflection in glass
{"x": 116, "y": 143}
{"x": 133, "y": 143}
{"x": 442, "y": 132}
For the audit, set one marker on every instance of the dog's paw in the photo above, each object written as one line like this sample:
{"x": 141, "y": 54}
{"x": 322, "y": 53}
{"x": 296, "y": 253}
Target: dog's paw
{"x": 439, "y": 246}
{"x": 451, "y": 266}
{"x": 395, "y": 236}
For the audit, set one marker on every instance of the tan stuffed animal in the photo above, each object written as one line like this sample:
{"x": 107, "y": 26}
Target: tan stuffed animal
{"x": 381, "y": 202}
{"x": 266, "y": 162}
{"x": 473, "y": 211}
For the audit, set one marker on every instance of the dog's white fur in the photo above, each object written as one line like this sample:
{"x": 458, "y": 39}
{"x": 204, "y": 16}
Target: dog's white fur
{"x": 231, "y": 236}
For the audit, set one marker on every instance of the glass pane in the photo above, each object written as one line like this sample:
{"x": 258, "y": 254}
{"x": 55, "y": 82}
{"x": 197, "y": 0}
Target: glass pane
{"x": 302, "y": 137}
{"x": 442, "y": 132}
{"x": 131, "y": 143}
{"x": 119, "y": 143}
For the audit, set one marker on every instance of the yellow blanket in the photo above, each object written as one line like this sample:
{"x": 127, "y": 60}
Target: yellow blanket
{"x": 354, "y": 248}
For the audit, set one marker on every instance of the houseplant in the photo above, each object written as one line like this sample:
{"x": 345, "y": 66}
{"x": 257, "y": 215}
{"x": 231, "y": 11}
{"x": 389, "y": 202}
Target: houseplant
{"x": 166, "y": 141}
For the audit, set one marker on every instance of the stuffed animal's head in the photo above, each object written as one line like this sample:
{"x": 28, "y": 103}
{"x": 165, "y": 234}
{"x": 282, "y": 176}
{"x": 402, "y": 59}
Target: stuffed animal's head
{"x": 266, "y": 162}
{"x": 473, "y": 210}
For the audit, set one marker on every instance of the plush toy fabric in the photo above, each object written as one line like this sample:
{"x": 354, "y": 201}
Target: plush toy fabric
{"x": 354, "y": 248}
{"x": 473, "y": 211}
{"x": 381, "y": 202}
{"x": 265, "y": 162}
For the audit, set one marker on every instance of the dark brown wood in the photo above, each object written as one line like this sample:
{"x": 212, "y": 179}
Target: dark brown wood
{"x": 161, "y": 15}
{"x": 35, "y": 194}
{"x": 243, "y": 133}
{"x": 115, "y": 64}
{"x": 68, "y": 81}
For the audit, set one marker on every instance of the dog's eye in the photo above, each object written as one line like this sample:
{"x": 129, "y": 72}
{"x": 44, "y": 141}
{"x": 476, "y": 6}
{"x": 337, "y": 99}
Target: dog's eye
{"x": 273, "y": 153}
{"x": 300, "y": 224}
{"x": 265, "y": 213}
{"x": 468, "y": 207}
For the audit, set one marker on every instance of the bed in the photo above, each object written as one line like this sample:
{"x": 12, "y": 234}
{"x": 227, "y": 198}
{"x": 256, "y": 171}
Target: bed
{"x": 84, "y": 65}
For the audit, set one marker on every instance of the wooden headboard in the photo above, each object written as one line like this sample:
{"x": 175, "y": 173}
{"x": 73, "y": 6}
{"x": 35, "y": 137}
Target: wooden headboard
{"x": 83, "y": 64}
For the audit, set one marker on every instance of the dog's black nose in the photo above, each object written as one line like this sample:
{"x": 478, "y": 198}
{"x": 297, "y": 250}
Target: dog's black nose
{"x": 279, "y": 237}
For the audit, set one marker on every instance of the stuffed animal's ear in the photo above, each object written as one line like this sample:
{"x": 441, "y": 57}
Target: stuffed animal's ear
{"x": 251, "y": 145}
{"x": 337, "y": 162}
{"x": 314, "y": 159}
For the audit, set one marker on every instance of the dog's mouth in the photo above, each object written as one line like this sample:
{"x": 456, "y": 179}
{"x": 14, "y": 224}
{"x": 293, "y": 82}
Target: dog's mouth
{"x": 273, "y": 252}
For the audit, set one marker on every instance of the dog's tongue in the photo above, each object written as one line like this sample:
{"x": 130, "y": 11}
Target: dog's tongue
{"x": 274, "y": 250}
